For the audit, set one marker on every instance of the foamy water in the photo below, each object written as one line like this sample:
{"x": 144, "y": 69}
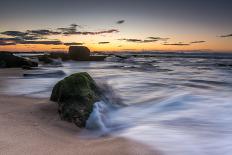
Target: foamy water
{"x": 176, "y": 105}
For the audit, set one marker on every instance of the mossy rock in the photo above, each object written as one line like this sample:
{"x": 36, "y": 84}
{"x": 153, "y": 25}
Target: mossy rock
{"x": 75, "y": 96}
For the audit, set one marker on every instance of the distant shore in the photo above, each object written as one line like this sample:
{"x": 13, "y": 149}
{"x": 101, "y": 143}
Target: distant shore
{"x": 32, "y": 126}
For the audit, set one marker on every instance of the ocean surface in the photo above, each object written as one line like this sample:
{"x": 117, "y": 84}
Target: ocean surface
{"x": 178, "y": 105}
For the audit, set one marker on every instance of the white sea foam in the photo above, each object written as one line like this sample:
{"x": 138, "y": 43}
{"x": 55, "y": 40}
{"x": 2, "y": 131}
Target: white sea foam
{"x": 181, "y": 106}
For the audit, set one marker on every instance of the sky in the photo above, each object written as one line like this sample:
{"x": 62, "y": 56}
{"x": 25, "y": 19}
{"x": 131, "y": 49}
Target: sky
{"x": 116, "y": 25}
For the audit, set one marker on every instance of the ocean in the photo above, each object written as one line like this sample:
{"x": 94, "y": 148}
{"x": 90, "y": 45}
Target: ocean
{"x": 176, "y": 103}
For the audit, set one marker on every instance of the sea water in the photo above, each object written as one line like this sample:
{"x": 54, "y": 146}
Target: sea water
{"x": 177, "y": 105}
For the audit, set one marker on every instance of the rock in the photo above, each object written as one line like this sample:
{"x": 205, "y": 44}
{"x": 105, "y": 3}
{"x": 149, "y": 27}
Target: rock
{"x": 76, "y": 96}
{"x": 26, "y": 68}
{"x": 48, "y": 61}
{"x": 8, "y": 60}
{"x": 61, "y": 55}
{"x": 80, "y": 53}
{"x": 45, "y": 59}
{"x": 45, "y": 74}
{"x": 97, "y": 58}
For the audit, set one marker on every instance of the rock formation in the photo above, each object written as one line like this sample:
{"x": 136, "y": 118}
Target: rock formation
{"x": 80, "y": 53}
{"x": 8, "y": 60}
{"x": 76, "y": 96}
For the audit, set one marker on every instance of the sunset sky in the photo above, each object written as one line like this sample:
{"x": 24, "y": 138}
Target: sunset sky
{"x": 119, "y": 25}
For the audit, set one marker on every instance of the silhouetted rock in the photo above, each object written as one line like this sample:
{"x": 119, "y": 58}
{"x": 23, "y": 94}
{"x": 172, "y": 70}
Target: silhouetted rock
{"x": 80, "y": 53}
{"x": 76, "y": 96}
{"x": 62, "y": 56}
{"x": 45, "y": 59}
{"x": 8, "y": 60}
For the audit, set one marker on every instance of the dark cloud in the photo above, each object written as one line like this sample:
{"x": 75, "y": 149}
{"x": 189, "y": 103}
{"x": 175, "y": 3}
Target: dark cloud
{"x": 3, "y": 43}
{"x": 73, "y": 44}
{"x": 72, "y": 30}
{"x": 9, "y": 41}
{"x": 149, "y": 41}
{"x": 103, "y": 42}
{"x": 15, "y": 33}
{"x": 69, "y": 30}
{"x": 44, "y": 42}
{"x": 131, "y": 40}
{"x": 138, "y": 40}
{"x": 197, "y": 42}
{"x": 40, "y": 36}
{"x": 177, "y": 44}
{"x": 96, "y": 33}
{"x": 120, "y": 21}
{"x": 15, "y": 41}
{"x": 158, "y": 38}
{"x": 225, "y": 36}
{"x": 42, "y": 32}
{"x": 29, "y": 35}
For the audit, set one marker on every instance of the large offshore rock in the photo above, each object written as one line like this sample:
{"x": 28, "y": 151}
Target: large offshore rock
{"x": 76, "y": 96}
{"x": 8, "y": 60}
{"x": 80, "y": 53}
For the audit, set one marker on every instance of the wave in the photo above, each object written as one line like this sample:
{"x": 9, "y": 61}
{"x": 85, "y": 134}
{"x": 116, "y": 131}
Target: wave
{"x": 182, "y": 123}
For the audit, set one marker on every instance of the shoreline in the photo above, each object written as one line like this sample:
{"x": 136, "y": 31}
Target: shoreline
{"x": 32, "y": 126}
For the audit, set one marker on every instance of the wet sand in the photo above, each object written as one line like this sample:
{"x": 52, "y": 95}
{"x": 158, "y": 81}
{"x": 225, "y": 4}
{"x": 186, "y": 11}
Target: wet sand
{"x": 32, "y": 126}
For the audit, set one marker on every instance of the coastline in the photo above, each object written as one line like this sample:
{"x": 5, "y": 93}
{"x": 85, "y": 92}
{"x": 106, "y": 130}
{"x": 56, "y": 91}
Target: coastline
{"x": 32, "y": 126}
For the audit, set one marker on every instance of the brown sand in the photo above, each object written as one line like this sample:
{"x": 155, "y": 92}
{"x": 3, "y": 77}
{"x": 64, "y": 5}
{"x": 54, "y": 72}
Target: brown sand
{"x": 32, "y": 126}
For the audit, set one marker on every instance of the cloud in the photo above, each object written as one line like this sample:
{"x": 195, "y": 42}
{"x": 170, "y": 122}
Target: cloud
{"x": 44, "y": 42}
{"x": 138, "y": 40}
{"x": 9, "y": 41}
{"x": 68, "y": 30}
{"x": 14, "y": 33}
{"x": 197, "y": 42}
{"x": 73, "y": 44}
{"x": 40, "y": 36}
{"x": 15, "y": 41}
{"x": 96, "y": 32}
{"x": 104, "y": 42}
{"x": 3, "y": 43}
{"x": 225, "y": 36}
{"x": 177, "y": 44}
{"x": 72, "y": 30}
{"x": 120, "y": 22}
{"x": 131, "y": 40}
{"x": 158, "y": 38}
{"x": 42, "y": 32}
{"x": 28, "y": 35}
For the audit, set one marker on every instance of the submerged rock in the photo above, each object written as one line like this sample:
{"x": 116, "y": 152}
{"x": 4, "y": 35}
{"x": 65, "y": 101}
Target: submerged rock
{"x": 45, "y": 74}
{"x": 76, "y": 96}
{"x": 8, "y": 60}
{"x": 60, "y": 55}
{"x": 45, "y": 59}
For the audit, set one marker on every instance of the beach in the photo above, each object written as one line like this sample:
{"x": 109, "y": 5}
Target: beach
{"x": 32, "y": 126}
{"x": 155, "y": 105}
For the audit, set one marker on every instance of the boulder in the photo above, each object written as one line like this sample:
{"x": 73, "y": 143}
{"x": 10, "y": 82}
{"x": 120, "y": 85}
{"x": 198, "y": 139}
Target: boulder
{"x": 76, "y": 95}
{"x": 80, "y": 53}
{"x": 8, "y": 60}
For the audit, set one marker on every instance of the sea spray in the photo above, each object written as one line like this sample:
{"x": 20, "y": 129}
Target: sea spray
{"x": 97, "y": 118}
{"x": 183, "y": 110}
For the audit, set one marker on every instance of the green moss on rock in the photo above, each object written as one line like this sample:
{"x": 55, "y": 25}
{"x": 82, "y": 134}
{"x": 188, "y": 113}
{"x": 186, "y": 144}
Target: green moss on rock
{"x": 75, "y": 96}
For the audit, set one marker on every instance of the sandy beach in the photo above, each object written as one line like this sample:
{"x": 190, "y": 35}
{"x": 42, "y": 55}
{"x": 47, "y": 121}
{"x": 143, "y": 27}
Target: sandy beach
{"x": 32, "y": 126}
